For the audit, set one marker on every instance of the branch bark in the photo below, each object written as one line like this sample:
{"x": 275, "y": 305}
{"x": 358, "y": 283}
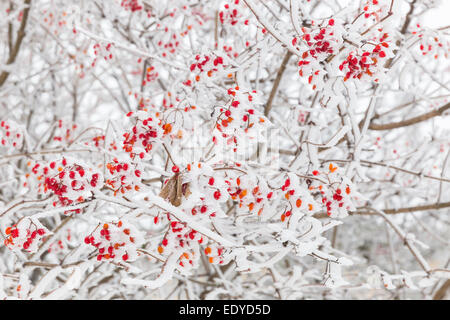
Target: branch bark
{"x": 409, "y": 122}
{"x": 368, "y": 211}
{"x": 440, "y": 293}
{"x": 276, "y": 83}
{"x": 15, "y": 49}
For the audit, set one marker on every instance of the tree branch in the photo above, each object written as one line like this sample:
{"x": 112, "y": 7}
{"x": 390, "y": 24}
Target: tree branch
{"x": 367, "y": 211}
{"x": 15, "y": 49}
{"x": 276, "y": 83}
{"x": 405, "y": 123}
{"x": 440, "y": 293}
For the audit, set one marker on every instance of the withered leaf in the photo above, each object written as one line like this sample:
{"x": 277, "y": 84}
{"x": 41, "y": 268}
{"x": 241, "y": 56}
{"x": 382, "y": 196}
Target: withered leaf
{"x": 174, "y": 189}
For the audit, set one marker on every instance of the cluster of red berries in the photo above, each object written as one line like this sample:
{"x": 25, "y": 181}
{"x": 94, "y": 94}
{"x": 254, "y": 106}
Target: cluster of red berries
{"x": 215, "y": 254}
{"x": 231, "y": 53}
{"x": 58, "y": 245}
{"x": 124, "y": 177}
{"x": 65, "y": 131}
{"x": 202, "y": 209}
{"x": 359, "y": 64}
{"x": 239, "y": 110}
{"x": 67, "y": 179}
{"x": 321, "y": 43}
{"x": 231, "y": 14}
{"x": 372, "y": 8}
{"x": 114, "y": 242}
{"x": 132, "y": 5}
{"x": 430, "y": 42}
{"x": 150, "y": 75}
{"x": 206, "y": 64}
{"x": 317, "y": 43}
{"x": 144, "y": 134}
{"x": 296, "y": 202}
{"x": 10, "y": 134}
{"x": 180, "y": 236}
{"x": 170, "y": 44}
{"x": 336, "y": 200}
{"x": 22, "y": 237}
{"x": 97, "y": 140}
{"x": 104, "y": 52}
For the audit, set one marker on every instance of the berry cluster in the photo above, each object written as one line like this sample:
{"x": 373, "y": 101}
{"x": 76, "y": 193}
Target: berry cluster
{"x": 55, "y": 18}
{"x": 67, "y": 178}
{"x": 373, "y": 9}
{"x": 123, "y": 177}
{"x": 180, "y": 236}
{"x": 97, "y": 140}
{"x": 150, "y": 75}
{"x": 206, "y": 64}
{"x": 319, "y": 43}
{"x": 232, "y": 53}
{"x": 144, "y": 135}
{"x": 60, "y": 244}
{"x": 24, "y": 235}
{"x": 102, "y": 51}
{"x": 252, "y": 195}
{"x": 115, "y": 242}
{"x": 169, "y": 42}
{"x": 231, "y": 14}
{"x": 66, "y": 131}
{"x": 239, "y": 120}
{"x": 336, "y": 199}
{"x": 132, "y": 5}
{"x": 366, "y": 63}
{"x": 431, "y": 42}
{"x": 10, "y": 135}
{"x": 298, "y": 199}
{"x": 215, "y": 254}
{"x": 316, "y": 45}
